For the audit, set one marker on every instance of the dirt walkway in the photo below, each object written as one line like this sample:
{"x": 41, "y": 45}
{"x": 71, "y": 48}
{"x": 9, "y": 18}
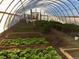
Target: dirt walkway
{"x": 70, "y": 41}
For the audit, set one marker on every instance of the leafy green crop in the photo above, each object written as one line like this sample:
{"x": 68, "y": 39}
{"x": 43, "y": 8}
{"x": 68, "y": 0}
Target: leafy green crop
{"x": 43, "y": 26}
{"x": 28, "y": 53}
{"x": 26, "y": 41}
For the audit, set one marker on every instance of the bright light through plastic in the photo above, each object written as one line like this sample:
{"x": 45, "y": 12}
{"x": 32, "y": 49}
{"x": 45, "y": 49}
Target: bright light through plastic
{"x": 2, "y": 23}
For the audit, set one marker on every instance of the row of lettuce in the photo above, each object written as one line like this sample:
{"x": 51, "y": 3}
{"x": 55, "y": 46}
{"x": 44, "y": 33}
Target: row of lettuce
{"x": 28, "y": 53}
{"x": 45, "y": 26}
{"x": 24, "y": 41}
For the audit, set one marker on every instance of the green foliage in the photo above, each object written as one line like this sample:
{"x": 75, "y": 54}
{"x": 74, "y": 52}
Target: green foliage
{"x": 57, "y": 25}
{"x": 2, "y": 57}
{"x": 22, "y": 57}
{"x": 70, "y": 27}
{"x": 65, "y": 27}
{"x": 43, "y": 26}
{"x": 31, "y": 54}
{"x": 25, "y": 41}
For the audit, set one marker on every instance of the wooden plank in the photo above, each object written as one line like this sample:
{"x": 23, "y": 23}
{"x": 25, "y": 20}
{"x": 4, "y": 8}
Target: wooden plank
{"x": 66, "y": 54}
{"x": 71, "y": 49}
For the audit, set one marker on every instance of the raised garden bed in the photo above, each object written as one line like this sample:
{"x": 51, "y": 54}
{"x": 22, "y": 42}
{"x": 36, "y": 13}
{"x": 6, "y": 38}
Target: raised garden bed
{"x": 23, "y": 35}
{"x": 70, "y": 53}
{"x": 28, "y": 53}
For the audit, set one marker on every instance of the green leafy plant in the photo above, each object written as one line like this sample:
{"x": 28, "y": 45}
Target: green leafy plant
{"x": 70, "y": 27}
{"x": 43, "y": 26}
{"x": 26, "y": 41}
{"x": 28, "y": 53}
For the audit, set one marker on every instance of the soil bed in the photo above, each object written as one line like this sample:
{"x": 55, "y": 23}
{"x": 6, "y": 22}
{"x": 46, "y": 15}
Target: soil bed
{"x": 24, "y": 46}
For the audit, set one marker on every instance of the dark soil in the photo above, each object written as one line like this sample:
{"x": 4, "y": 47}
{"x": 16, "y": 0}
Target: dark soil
{"x": 24, "y": 46}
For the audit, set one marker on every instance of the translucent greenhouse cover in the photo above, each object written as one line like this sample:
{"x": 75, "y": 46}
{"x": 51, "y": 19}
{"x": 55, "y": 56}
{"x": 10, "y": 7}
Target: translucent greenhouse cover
{"x": 11, "y": 9}
{"x": 68, "y": 7}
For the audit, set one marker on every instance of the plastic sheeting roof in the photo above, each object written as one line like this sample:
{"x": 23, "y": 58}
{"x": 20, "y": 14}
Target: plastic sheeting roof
{"x": 11, "y": 8}
{"x": 52, "y": 7}
{"x": 63, "y": 7}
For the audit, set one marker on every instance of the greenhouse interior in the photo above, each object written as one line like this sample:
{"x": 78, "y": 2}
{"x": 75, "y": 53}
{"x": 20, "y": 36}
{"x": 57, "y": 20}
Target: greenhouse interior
{"x": 39, "y": 29}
